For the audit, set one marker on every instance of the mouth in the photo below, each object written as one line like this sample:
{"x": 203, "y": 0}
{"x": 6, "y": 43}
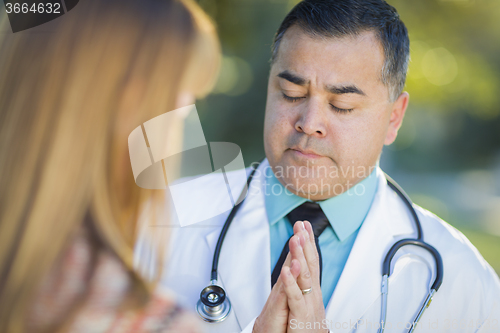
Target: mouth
{"x": 307, "y": 153}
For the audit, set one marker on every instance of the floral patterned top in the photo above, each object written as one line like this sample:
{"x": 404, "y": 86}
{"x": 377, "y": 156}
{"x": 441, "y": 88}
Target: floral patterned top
{"x": 100, "y": 298}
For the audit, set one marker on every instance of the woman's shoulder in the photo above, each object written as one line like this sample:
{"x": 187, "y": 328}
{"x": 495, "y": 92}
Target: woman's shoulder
{"x": 90, "y": 291}
{"x": 161, "y": 314}
{"x": 106, "y": 305}
{"x": 104, "y": 310}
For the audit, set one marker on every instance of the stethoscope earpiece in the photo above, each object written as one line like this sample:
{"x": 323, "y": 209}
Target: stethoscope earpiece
{"x": 213, "y": 305}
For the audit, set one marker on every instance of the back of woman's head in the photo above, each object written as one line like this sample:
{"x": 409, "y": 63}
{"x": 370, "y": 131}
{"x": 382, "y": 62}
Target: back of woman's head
{"x": 71, "y": 91}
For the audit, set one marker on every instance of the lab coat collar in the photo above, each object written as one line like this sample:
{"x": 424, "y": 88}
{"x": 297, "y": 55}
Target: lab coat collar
{"x": 360, "y": 282}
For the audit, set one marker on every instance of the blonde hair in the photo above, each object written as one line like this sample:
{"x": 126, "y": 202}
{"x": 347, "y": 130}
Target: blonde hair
{"x": 63, "y": 128}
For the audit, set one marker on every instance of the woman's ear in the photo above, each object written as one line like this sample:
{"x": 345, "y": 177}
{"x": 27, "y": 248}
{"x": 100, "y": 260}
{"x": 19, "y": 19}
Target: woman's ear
{"x": 397, "y": 115}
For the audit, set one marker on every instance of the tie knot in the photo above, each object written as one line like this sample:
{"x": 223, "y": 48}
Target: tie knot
{"x": 312, "y": 212}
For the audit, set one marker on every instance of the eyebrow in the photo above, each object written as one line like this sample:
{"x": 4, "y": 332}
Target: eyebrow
{"x": 338, "y": 90}
{"x": 292, "y": 78}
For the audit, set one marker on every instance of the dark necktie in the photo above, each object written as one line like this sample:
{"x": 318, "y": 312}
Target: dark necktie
{"x": 308, "y": 211}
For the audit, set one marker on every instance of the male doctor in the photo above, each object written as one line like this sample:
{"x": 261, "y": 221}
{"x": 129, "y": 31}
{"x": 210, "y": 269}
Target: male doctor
{"x": 335, "y": 98}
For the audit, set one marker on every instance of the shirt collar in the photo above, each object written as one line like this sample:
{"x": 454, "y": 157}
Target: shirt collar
{"x": 345, "y": 212}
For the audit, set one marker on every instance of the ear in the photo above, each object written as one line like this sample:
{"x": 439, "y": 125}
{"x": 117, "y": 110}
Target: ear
{"x": 397, "y": 115}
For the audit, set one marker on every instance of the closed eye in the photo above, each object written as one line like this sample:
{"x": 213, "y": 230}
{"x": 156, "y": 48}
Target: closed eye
{"x": 295, "y": 99}
{"x": 291, "y": 99}
{"x": 339, "y": 110}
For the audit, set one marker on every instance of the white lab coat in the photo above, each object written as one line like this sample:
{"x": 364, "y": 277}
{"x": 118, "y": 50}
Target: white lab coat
{"x": 468, "y": 298}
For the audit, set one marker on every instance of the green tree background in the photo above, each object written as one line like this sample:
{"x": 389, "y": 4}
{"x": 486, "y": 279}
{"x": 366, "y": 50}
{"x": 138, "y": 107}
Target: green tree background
{"x": 447, "y": 154}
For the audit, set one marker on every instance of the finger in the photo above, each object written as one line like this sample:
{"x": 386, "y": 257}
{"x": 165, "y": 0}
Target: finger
{"x": 274, "y": 315}
{"x": 278, "y": 295}
{"x": 311, "y": 252}
{"x": 278, "y": 290}
{"x": 298, "y": 227}
{"x": 295, "y": 299}
{"x": 305, "y": 232}
{"x": 287, "y": 262}
{"x": 295, "y": 268}
{"x": 304, "y": 279}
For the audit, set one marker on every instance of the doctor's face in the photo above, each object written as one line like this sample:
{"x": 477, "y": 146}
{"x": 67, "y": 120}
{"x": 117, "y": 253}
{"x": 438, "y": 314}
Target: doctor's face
{"x": 328, "y": 114}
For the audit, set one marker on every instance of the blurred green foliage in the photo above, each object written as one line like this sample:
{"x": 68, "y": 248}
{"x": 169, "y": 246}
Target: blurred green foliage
{"x": 453, "y": 122}
{"x": 487, "y": 245}
{"x": 455, "y": 65}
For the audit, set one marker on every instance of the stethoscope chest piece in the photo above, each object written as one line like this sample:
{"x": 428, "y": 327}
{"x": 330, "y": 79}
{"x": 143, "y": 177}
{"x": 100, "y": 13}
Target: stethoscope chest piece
{"x": 213, "y": 305}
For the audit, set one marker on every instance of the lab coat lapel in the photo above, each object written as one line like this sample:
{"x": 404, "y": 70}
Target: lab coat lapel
{"x": 245, "y": 264}
{"x": 359, "y": 284}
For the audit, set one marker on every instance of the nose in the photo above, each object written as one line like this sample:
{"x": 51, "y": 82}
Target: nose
{"x": 311, "y": 120}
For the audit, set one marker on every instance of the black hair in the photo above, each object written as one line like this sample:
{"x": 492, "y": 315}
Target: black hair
{"x": 340, "y": 18}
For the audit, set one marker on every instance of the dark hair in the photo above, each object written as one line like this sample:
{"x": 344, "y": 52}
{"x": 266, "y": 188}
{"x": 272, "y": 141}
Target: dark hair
{"x": 339, "y": 18}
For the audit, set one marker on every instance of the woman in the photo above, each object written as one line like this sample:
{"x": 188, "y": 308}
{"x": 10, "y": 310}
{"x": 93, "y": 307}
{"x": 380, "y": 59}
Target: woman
{"x": 71, "y": 91}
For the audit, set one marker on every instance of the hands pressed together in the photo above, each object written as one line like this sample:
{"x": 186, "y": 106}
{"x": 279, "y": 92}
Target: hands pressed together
{"x": 295, "y": 303}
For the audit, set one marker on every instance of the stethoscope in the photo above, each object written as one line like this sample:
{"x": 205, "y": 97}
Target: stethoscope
{"x": 214, "y": 305}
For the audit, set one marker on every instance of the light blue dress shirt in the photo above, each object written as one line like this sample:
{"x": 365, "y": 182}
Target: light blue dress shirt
{"x": 345, "y": 212}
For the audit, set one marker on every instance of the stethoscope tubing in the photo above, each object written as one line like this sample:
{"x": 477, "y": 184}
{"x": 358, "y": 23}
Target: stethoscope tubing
{"x": 232, "y": 214}
{"x": 406, "y": 199}
{"x": 386, "y": 265}
{"x": 419, "y": 241}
